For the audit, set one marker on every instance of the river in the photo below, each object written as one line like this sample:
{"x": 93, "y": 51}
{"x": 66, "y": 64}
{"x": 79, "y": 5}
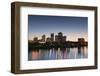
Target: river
{"x": 54, "y": 54}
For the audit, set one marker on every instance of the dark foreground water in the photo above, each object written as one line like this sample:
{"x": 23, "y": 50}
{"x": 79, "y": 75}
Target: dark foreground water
{"x": 53, "y": 54}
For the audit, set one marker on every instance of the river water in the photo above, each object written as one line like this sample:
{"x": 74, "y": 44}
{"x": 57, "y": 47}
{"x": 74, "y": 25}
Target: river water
{"x": 54, "y": 54}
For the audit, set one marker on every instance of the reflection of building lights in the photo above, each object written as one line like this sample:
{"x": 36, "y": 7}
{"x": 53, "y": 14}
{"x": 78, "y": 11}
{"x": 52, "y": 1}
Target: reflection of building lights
{"x": 35, "y": 55}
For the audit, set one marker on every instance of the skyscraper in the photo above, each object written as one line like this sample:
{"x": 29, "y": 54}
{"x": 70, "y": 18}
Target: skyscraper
{"x": 43, "y": 38}
{"x": 64, "y": 38}
{"x": 60, "y": 37}
{"x": 81, "y": 41}
{"x": 52, "y": 37}
{"x": 56, "y": 38}
{"x": 48, "y": 39}
{"x": 60, "y": 34}
{"x": 35, "y": 39}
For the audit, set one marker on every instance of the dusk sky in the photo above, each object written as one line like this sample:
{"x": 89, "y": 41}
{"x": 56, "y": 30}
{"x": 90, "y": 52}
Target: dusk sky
{"x": 72, "y": 27}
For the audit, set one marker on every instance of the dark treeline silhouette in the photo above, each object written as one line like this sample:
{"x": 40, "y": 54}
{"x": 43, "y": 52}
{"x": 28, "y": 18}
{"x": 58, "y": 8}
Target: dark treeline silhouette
{"x": 48, "y": 45}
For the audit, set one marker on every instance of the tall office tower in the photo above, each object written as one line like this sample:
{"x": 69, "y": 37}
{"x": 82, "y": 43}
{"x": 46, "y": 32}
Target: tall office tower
{"x": 43, "y": 38}
{"x": 60, "y": 34}
{"x": 35, "y": 39}
{"x": 52, "y": 37}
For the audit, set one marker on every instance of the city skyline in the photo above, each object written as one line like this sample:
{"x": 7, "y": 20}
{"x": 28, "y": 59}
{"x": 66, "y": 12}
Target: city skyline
{"x": 53, "y": 38}
{"x": 72, "y": 27}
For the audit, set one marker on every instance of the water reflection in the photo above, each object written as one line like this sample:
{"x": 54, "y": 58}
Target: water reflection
{"x": 52, "y": 54}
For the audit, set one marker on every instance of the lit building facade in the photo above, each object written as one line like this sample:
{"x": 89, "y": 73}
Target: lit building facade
{"x": 43, "y": 38}
{"x": 52, "y": 37}
{"x": 35, "y": 39}
{"x": 48, "y": 39}
{"x": 81, "y": 41}
{"x": 60, "y": 37}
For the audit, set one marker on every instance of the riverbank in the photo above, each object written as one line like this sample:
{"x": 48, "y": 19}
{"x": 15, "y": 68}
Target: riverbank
{"x": 48, "y": 45}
